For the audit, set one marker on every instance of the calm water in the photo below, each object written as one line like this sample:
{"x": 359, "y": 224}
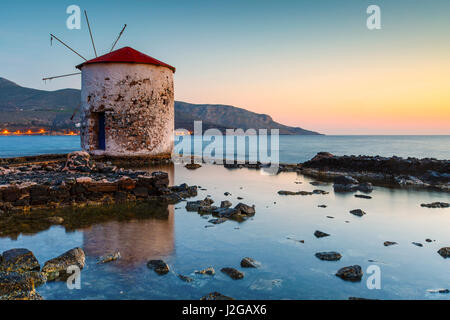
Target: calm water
{"x": 289, "y": 269}
{"x": 292, "y": 149}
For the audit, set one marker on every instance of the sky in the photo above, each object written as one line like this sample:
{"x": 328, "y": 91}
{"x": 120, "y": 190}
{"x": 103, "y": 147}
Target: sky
{"x": 307, "y": 63}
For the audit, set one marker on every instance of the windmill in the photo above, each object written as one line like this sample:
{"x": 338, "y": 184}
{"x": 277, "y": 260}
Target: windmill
{"x": 127, "y": 102}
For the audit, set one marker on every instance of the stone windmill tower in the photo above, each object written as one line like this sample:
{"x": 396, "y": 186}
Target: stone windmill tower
{"x": 127, "y": 105}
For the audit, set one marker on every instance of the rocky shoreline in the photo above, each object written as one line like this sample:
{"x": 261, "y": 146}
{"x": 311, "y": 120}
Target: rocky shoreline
{"x": 394, "y": 171}
{"x": 81, "y": 181}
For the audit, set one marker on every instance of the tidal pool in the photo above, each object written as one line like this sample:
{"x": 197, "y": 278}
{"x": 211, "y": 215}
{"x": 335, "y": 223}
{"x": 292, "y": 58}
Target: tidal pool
{"x": 289, "y": 269}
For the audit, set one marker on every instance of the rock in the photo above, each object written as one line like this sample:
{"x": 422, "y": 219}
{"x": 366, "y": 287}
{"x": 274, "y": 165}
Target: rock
{"x": 110, "y": 257}
{"x": 19, "y": 260}
{"x": 438, "y": 291}
{"x": 428, "y": 240}
{"x": 159, "y": 266}
{"x": 351, "y": 273}
{"x": 318, "y": 183}
{"x": 227, "y": 194}
{"x": 206, "y": 209}
{"x": 218, "y": 220}
{"x": 357, "y": 212}
{"x": 444, "y": 252}
{"x": 185, "y": 278}
{"x": 249, "y": 263}
{"x": 225, "y": 212}
{"x": 294, "y": 193}
{"x": 244, "y": 209}
{"x": 208, "y": 271}
{"x": 195, "y": 205}
{"x": 320, "y": 234}
{"x": 417, "y": 244}
{"x": 363, "y": 196}
{"x": 233, "y": 273}
{"x": 389, "y": 243}
{"x": 13, "y": 283}
{"x": 318, "y": 191}
{"x": 192, "y": 166}
{"x": 55, "y": 220}
{"x": 225, "y": 204}
{"x": 435, "y": 205}
{"x": 216, "y": 296}
{"x": 322, "y": 206}
{"x": 328, "y": 256}
{"x": 345, "y": 183}
{"x": 22, "y": 295}
{"x": 365, "y": 187}
{"x": 56, "y": 268}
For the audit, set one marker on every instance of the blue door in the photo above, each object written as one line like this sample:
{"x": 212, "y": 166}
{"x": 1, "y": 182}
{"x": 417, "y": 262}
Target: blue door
{"x": 101, "y": 131}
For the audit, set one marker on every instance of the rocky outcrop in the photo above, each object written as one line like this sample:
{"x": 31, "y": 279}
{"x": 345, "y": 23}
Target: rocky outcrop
{"x": 109, "y": 258}
{"x": 79, "y": 181}
{"x": 384, "y": 171}
{"x": 351, "y": 273}
{"x": 16, "y": 286}
{"x": 56, "y": 268}
{"x": 389, "y": 243}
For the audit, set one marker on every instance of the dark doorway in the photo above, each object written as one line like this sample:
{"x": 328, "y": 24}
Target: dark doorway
{"x": 101, "y": 140}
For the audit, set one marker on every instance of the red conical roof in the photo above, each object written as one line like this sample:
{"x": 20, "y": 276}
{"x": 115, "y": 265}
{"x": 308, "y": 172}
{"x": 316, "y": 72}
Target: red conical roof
{"x": 129, "y": 55}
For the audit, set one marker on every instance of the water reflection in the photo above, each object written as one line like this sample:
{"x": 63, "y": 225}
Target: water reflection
{"x": 137, "y": 240}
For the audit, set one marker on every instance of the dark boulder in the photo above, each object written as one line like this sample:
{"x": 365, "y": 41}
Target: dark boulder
{"x": 351, "y": 273}
{"x": 435, "y": 205}
{"x": 320, "y": 234}
{"x": 244, "y": 209}
{"x": 357, "y": 212}
{"x": 159, "y": 266}
{"x": 19, "y": 260}
{"x": 233, "y": 273}
{"x": 444, "y": 252}
{"x": 249, "y": 263}
{"x": 328, "y": 256}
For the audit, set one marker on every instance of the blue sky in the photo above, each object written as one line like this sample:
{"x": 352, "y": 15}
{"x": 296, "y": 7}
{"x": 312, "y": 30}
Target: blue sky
{"x": 261, "y": 55}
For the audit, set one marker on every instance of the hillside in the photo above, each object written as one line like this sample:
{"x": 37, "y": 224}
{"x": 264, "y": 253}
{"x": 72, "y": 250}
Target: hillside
{"x": 26, "y": 108}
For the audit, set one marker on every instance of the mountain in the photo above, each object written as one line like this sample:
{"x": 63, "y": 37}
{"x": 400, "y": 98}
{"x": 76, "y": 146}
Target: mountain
{"x": 26, "y": 108}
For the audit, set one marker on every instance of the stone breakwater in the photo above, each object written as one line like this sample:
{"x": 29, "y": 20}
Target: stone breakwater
{"x": 79, "y": 181}
{"x": 385, "y": 171}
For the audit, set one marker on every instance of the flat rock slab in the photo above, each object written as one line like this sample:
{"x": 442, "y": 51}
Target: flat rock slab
{"x": 351, "y": 273}
{"x": 159, "y": 266}
{"x": 329, "y": 256}
{"x": 435, "y": 205}
{"x": 233, "y": 273}
{"x": 389, "y": 243}
{"x": 249, "y": 263}
{"x": 56, "y": 268}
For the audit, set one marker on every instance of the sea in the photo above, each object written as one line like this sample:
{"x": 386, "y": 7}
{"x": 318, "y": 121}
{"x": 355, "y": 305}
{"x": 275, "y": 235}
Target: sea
{"x": 280, "y": 236}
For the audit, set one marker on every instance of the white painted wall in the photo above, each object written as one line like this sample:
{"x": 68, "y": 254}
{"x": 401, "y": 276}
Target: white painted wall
{"x": 138, "y": 101}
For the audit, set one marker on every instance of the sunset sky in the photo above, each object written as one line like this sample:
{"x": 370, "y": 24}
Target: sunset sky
{"x": 312, "y": 64}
